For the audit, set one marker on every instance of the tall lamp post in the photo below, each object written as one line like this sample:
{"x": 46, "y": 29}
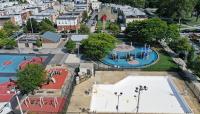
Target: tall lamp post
{"x": 118, "y": 95}
{"x": 78, "y": 48}
{"x": 138, "y": 90}
{"x": 31, "y": 25}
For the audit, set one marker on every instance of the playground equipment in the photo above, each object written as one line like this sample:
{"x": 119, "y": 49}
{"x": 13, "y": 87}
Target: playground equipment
{"x": 129, "y": 56}
{"x": 41, "y": 101}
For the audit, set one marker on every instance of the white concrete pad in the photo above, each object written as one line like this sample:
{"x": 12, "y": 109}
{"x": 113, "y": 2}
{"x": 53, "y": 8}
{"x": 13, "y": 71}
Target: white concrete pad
{"x": 72, "y": 58}
{"x": 161, "y": 96}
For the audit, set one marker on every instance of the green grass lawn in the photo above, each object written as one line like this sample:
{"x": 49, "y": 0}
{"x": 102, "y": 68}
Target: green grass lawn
{"x": 165, "y": 63}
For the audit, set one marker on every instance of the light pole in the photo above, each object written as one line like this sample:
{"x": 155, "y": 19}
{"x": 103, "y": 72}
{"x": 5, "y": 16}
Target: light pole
{"x": 118, "y": 95}
{"x": 31, "y": 25}
{"x": 138, "y": 90}
{"x": 78, "y": 48}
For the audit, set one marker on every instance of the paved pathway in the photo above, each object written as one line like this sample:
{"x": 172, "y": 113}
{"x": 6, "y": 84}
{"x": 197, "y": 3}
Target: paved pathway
{"x": 57, "y": 59}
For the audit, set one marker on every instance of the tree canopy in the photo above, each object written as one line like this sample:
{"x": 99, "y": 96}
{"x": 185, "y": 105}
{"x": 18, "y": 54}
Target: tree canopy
{"x": 196, "y": 67}
{"x": 176, "y": 9}
{"x": 46, "y": 25}
{"x": 84, "y": 29}
{"x": 9, "y": 27}
{"x": 5, "y": 40}
{"x": 70, "y": 46}
{"x": 32, "y": 26}
{"x": 84, "y": 15}
{"x": 98, "y": 45}
{"x": 114, "y": 28}
{"x": 181, "y": 45}
{"x": 152, "y": 30}
{"x": 30, "y": 78}
{"x": 197, "y": 9}
{"x": 43, "y": 26}
{"x": 3, "y": 34}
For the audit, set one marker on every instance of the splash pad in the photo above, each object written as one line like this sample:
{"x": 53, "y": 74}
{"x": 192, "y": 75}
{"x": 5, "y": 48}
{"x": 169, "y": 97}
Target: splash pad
{"x": 129, "y": 56}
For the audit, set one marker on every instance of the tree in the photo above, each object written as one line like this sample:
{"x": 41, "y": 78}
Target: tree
{"x": 191, "y": 55}
{"x": 152, "y": 31}
{"x": 84, "y": 15}
{"x": 84, "y": 29}
{"x": 22, "y": 1}
{"x": 9, "y": 27}
{"x": 114, "y": 28}
{"x": 98, "y": 46}
{"x": 3, "y": 34}
{"x": 2, "y": 42}
{"x": 46, "y": 25}
{"x": 172, "y": 33}
{"x": 133, "y": 29}
{"x": 176, "y": 9}
{"x": 70, "y": 46}
{"x": 196, "y": 67}
{"x": 152, "y": 3}
{"x": 197, "y": 9}
{"x": 181, "y": 45}
{"x": 32, "y": 24}
{"x": 30, "y": 78}
{"x": 38, "y": 43}
{"x": 49, "y": 22}
{"x": 10, "y": 43}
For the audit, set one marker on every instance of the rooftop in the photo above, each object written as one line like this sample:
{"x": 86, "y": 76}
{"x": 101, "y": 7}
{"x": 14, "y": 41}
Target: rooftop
{"x": 54, "y": 37}
{"x": 66, "y": 18}
{"x": 78, "y": 38}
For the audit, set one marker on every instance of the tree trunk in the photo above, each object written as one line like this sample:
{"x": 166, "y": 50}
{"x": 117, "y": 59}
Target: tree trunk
{"x": 197, "y": 18}
{"x": 179, "y": 21}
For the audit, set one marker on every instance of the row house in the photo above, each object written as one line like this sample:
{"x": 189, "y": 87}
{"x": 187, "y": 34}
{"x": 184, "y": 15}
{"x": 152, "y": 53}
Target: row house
{"x": 17, "y": 19}
{"x": 73, "y": 14}
{"x": 14, "y": 18}
{"x": 7, "y": 4}
{"x": 129, "y": 14}
{"x": 48, "y": 14}
{"x": 16, "y": 9}
{"x": 67, "y": 23}
{"x": 43, "y": 7}
{"x": 33, "y": 10}
{"x": 3, "y": 12}
{"x": 95, "y": 5}
{"x": 39, "y": 17}
{"x": 25, "y": 15}
{"x": 4, "y": 19}
{"x": 80, "y": 1}
{"x": 82, "y": 7}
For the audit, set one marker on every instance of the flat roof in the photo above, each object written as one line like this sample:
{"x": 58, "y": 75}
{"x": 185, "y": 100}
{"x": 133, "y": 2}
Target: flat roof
{"x": 161, "y": 96}
{"x": 78, "y": 38}
{"x": 67, "y": 18}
